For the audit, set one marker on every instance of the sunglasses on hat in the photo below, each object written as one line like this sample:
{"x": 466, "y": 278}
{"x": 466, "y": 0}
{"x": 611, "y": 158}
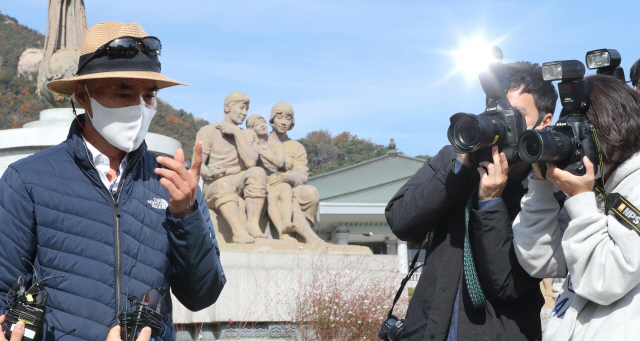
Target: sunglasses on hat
{"x": 124, "y": 47}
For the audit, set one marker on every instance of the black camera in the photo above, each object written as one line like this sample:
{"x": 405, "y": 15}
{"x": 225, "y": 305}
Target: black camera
{"x": 391, "y": 328}
{"x": 499, "y": 125}
{"x": 566, "y": 143}
{"x": 137, "y": 314}
{"x": 28, "y": 306}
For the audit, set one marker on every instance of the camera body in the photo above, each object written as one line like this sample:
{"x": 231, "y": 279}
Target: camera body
{"x": 566, "y": 143}
{"x": 500, "y": 124}
{"x": 391, "y": 328}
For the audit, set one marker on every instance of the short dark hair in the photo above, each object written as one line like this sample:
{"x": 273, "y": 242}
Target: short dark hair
{"x": 634, "y": 73}
{"x": 529, "y": 75}
{"x": 615, "y": 113}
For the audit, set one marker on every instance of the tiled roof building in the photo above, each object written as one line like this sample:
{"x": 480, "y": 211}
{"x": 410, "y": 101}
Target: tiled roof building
{"x": 352, "y": 201}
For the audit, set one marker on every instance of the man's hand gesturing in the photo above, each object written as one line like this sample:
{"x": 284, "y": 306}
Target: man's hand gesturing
{"x": 182, "y": 184}
{"x": 493, "y": 180}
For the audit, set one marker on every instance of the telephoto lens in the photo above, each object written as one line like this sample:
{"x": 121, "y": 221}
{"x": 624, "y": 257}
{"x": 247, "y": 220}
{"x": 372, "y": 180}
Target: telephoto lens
{"x": 469, "y": 133}
{"x": 542, "y": 146}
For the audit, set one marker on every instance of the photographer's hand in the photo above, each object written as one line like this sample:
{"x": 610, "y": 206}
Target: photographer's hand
{"x": 16, "y": 334}
{"x": 114, "y": 334}
{"x": 493, "y": 180}
{"x": 569, "y": 183}
{"x": 537, "y": 172}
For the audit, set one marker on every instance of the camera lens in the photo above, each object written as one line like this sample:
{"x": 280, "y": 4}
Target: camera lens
{"x": 542, "y": 146}
{"x": 468, "y": 133}
{"x": 532, "y": 145}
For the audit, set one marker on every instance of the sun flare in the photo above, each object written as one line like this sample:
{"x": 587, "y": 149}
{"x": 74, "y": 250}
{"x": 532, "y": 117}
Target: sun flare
{"x": 473, "y": 56}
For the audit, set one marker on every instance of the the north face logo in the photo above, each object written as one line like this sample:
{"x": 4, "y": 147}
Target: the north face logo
{"x": 159, "y": 204}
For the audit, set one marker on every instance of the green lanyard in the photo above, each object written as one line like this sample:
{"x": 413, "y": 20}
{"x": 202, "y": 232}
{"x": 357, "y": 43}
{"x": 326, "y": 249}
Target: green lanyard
{"x": 471, "y": 277}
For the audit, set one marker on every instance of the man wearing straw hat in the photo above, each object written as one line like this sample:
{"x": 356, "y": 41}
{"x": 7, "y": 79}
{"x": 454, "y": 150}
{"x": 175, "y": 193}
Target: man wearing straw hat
{"x": 100, "y": 209}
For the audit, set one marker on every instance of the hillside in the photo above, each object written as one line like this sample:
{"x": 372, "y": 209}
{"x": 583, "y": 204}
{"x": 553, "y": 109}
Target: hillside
{"x": 18, "y": 102}
{"x": 326, "y": 152}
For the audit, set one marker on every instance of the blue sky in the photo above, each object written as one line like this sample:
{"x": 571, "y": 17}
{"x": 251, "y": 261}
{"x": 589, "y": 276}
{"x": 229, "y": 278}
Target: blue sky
{"x": 378, "y": 69}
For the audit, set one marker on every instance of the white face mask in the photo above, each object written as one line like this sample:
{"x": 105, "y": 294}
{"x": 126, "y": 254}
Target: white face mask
{"x": 124, "y": 128}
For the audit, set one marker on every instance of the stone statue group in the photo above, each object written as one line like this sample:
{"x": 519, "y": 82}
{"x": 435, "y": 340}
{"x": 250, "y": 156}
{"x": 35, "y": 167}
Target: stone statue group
{"x": 246, "y": 172}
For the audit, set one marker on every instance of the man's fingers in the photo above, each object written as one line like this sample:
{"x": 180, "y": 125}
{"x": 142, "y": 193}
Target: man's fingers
{"x": 485, "y": 164}
{"x": 495, "y": 154}
{"x": 174, "y": 192}
{"x": 179, "y": 156}
{"x": 175, "y": 179}
{"x": 589, "y": 167}
{"x": 551, "y": 168}
{"x": 18, "y": 331}
{"x": 114, "y": 334}
{"x": 490, "y": 168}
{"x": 197, "y": 160}
{"x": 145, "y": 334}
{"x": 3, "y": 318}
{"x": 482, "y": 172}
{"x": 176, "y": 166}
{"x": 504, "y": 163}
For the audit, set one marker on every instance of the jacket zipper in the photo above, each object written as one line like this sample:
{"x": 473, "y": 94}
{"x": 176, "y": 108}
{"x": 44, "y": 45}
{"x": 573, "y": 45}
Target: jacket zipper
{"x": 115, "y": 202}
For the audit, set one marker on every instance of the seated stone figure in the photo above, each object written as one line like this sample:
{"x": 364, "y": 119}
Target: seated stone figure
{"x": 294, "y": 172}
{"x": 233, "y": 184}
{"x": 279, "y": 192}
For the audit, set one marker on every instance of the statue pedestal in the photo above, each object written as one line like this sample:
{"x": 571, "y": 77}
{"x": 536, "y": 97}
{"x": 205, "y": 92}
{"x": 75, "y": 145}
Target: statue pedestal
{"x": 276, "y": 245}
{"x": 263, "y": 286}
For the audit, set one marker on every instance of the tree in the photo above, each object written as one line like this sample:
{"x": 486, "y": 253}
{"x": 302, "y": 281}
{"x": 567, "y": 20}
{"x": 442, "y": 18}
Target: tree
{"x": 424, "y": 157}
{"x": 326, "y": 153}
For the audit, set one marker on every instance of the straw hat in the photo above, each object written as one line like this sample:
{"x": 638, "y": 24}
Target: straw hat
{"x": 100, "y": 34}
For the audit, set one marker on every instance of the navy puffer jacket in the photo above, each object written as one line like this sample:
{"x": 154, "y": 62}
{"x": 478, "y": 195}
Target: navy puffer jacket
{"x": 56, "y": 213}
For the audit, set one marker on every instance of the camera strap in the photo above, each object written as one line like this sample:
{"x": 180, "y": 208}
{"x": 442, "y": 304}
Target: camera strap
{"x": 412, "y": 269}
{"x": 627, "y": 214}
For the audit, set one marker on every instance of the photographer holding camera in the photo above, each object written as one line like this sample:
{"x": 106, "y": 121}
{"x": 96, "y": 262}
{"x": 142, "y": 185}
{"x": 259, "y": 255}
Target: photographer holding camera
{"x": 588, "y": 239}
{"x": 467, "y": 214}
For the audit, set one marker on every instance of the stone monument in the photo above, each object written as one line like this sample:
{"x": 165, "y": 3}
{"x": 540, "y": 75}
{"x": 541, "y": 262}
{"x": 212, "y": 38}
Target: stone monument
{"x": 234, "y": 188}
{"x": 66, "y": 26}
{"x": 291, "y": 178}
{"x": 255, "y": 182}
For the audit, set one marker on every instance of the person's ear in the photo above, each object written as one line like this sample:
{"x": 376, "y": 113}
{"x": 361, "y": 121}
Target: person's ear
{"x": 546, "y": 121}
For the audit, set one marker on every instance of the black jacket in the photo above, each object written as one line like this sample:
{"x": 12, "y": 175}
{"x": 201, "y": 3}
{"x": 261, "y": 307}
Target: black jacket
{"x": 434, "y": 200}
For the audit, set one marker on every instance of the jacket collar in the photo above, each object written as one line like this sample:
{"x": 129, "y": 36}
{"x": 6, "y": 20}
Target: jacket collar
{"x": 626, "y": 168}
{"x": 75, "y": 146}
